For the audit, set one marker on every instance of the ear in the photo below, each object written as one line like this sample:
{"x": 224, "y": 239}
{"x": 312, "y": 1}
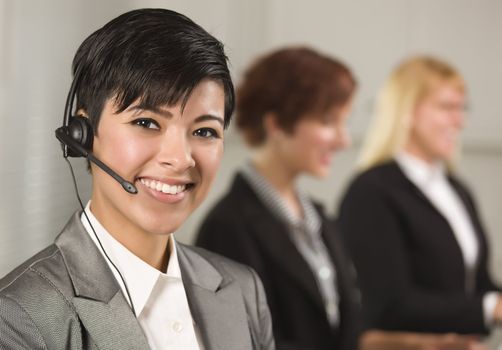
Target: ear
{"x": 82, "y": 113}
{"x": 271, "y": 125}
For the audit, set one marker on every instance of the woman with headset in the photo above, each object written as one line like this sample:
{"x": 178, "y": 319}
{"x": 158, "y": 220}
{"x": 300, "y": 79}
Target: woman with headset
{"x": 153, "y": 95}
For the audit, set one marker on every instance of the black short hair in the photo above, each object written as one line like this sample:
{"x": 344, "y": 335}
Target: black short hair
{"x": 155, "y": 55}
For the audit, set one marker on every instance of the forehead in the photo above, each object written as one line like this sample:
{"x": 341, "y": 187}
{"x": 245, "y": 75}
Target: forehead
{"x": 206, "y": 95}
{"x": 447, "y": 91}
{"x": 334, "y": 111}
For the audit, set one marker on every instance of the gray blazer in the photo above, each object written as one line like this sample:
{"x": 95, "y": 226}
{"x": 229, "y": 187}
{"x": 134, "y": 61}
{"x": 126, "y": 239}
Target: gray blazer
{"x": 66, "y": 297}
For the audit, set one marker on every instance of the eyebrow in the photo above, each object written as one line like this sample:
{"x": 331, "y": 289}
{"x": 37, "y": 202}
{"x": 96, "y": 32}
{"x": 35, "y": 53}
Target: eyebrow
{"x": 167, "y": 114}
{"x": 208, "y": 117}
{"x": 161, "y": 112}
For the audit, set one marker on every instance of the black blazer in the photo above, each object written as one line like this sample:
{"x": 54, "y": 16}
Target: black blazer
{"x": 242, "y": 228}
{"x": 410, "y": 266}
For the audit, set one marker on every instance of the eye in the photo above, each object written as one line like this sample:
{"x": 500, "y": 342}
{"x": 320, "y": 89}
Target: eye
{"x": 146, "y": 123}
{"x": 206, "y": 133}
{"x": 327, "y": 120}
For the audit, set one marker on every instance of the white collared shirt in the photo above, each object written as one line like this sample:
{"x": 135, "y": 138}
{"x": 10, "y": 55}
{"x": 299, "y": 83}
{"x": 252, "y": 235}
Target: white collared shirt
{"x": 159, "y": 299}
{"x": 434, "y": 184}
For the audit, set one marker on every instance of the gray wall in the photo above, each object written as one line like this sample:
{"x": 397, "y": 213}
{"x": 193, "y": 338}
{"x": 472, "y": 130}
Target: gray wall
{"x": 38, "y": 39}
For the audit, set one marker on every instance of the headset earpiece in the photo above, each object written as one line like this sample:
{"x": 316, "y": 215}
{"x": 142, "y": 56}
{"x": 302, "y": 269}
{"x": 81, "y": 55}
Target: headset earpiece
{"x": 80, "y": 130}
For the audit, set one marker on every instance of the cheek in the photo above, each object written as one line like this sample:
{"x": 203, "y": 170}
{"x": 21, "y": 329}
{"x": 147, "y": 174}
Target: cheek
{"x": 427, "y": 120}
{"x": 126, "y": 152}
{"x": 208, "y": 160}
{"x": 319, "y": 139}
{"x": 431, "y": 129}
{"x": 309, "y": 148}
{"x": 327, "y": 136}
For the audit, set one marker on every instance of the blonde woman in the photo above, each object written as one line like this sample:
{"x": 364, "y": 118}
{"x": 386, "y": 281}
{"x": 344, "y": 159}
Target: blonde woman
{"x": 411, "y": 225}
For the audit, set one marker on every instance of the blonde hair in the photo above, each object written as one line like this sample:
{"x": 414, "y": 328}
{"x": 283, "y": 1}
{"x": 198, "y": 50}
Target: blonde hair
{"x": 407, "y": 86}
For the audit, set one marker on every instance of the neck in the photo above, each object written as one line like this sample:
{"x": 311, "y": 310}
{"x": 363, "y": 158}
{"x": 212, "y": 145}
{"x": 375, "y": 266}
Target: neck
{"x": 417, "y": 152}
{"x": 279, "y": 174}
{"x": 151, "y": 248}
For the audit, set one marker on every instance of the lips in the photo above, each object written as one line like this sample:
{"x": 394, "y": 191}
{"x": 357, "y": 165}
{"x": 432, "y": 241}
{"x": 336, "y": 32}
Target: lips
{"x": 163, "y": 187}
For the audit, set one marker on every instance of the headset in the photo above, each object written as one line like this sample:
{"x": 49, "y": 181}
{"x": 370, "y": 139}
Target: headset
{"x": 76, "y": 136}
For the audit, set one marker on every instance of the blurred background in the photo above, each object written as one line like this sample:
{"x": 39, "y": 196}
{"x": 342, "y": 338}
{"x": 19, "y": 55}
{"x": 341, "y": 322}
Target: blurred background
{"x": 38, "y": 39}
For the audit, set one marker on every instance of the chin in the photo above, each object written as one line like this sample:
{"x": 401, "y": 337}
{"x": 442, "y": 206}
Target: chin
{"x": 320, "y": 173}
{"x": 445, "y": 154}
{"x": 162, "y": 226}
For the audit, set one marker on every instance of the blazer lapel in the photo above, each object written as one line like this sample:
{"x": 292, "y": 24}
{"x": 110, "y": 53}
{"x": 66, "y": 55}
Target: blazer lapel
{"x": 401, "y": 177}
{"x": 216, "y": 303}
{"x": 470, "y": 208}
{"x": 449, "y": 235}
{"x": 98, "y": 300}
{"x": 346, "y": 274}
{"x": 112, "y": 324}
{"x": 276, "y": 239}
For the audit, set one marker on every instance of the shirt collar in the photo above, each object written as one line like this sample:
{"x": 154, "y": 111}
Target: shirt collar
{"x": 418, "y": 171}
{"x": 140, "y": 277}
{"x": 272, "y": 199}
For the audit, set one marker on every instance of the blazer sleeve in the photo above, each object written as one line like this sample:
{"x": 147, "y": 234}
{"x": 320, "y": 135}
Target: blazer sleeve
{"x": 227, "y": 235}
{"x": 17, "y": 329}
{"x": 370, "y": 223}
{"x": 264, "y": 339}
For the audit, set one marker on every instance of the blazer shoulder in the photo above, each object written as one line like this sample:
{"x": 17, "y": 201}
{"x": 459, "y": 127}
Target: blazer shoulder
{"x": 36, "y": 301}
{"x": 239, "y": 195}
{"x": 27, "y": 271}
{"x": 225, "y": 219}
{"x": 377, "y": 179}
{"x": 41, "y": 277}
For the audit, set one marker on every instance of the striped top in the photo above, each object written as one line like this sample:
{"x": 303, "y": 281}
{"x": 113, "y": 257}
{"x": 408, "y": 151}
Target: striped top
{"x": 305, "y": 233}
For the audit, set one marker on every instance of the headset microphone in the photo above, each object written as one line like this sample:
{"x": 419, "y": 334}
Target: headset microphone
{"x": 66, "y": 140}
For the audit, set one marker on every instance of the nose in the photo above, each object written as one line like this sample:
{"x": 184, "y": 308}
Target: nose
{"x": 175, "y": 152}
{"x": 459, "y": 118}
{"x": 342, "y": 138}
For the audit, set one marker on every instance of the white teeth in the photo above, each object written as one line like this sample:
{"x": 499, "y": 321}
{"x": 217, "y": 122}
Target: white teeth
{"x": 165, "y": 188}
{"x": 162, "y": 187}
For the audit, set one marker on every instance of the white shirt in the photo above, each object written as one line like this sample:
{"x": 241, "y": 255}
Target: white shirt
{"x": 434, "y": 184}
{"x": 159, "y": 298}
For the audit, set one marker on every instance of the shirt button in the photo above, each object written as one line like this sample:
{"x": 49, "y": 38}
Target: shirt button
{"x": 177, "y": 327}
{"x": 324, "y": 272}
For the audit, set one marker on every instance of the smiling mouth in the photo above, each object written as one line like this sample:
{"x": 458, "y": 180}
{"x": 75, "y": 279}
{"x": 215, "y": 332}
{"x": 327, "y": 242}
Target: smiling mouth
{"x": 165, "y": 188}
